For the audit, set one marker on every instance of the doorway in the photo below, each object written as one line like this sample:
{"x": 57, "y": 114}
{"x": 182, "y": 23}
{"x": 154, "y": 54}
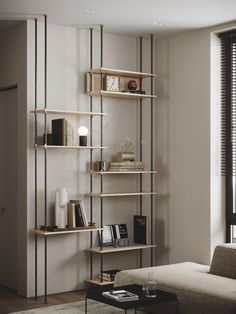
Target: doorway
{"x": 8, "y": 187}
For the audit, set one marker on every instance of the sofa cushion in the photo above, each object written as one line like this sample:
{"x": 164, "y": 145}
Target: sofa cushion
{"x": 224, "y": 261}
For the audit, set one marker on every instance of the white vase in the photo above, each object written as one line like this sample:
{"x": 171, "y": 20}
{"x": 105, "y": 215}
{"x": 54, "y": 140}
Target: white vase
{"x": 61, "y": 208}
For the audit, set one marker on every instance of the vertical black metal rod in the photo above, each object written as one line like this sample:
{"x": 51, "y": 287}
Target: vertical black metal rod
{"x": 151, "y": 145}
{"x": 141, "y": 138}
{"x": 45, "y": 154}
{"x": 35, "y": 158}
{"x": 91, "y": 156}
{"x": 101, "y": 154}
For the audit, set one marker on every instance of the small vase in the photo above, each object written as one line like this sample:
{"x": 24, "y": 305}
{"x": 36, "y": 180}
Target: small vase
{"x": 132, "y": 85}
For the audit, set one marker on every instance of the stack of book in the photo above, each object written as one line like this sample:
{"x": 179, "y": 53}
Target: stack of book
{"x": 126, "y": 166}
{"x": 109, "y": 275}
{"x": 62, "y": 132}
{"x": 120, "y": 295}
{"x": 76, "y": 214}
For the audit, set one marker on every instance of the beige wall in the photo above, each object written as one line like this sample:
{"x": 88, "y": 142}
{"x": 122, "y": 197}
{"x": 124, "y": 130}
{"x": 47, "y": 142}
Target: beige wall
{"x": 189, "y": 102}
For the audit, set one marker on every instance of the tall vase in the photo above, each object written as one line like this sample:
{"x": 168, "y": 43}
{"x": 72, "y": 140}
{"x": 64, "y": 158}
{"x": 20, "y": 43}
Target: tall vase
{"x": 61, "y": 208}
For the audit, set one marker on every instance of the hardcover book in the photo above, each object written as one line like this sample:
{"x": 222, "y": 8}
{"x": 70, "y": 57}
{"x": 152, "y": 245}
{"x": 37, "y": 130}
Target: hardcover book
{"x": 121, "y": 295}
{"x": 141, "y": 229}
{"x": 59, "y": 130}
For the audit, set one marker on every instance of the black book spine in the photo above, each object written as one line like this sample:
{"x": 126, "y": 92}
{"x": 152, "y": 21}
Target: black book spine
{"x": 78, "y": 216}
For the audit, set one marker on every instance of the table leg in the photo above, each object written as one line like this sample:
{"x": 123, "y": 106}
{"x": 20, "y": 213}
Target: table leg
{"x": 177, "y": 306}
{"x": 86, "y": 306}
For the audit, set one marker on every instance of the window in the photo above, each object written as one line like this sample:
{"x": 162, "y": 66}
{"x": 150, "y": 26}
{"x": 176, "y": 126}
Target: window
{"x": 228, "y": 100}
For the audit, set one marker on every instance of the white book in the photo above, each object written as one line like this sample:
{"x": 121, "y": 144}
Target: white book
{"x": 83, "y": 211}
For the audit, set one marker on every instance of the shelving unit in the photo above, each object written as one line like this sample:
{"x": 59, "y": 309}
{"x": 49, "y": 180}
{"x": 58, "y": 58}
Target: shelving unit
{"x": 67, "y": 147}
{"x": 95, "y": 87}
{"x": 52, "y": 233}
{"x": 92, "y": 76}
{"x": 122, "y": 172}
{"x": 121, "y": 194}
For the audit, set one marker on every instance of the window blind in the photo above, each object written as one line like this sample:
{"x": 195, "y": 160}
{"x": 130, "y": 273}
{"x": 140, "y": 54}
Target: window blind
{"x": 228, "y": 125}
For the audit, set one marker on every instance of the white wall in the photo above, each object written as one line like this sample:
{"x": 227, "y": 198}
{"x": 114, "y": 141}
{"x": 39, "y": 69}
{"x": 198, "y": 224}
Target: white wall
{"x": 13, "y": 58}
{"x": 188, "y": 95}
{"x": 68, "y": 60}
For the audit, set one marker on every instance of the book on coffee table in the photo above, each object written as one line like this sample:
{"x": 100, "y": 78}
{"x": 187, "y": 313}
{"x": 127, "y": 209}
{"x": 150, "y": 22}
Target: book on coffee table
{"x": 120, "y": 295}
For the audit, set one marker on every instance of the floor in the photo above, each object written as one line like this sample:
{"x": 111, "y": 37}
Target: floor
{"x": 11, "y": 302}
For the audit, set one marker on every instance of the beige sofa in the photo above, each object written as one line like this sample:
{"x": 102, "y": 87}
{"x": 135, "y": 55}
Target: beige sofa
{"x": 200, "y": 289}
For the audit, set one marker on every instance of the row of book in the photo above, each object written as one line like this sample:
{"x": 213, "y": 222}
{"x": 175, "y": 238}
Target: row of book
{"x": 119, "y": 231}
{"x": 108, "y": 275}
{"x": 113, "y": 232}
{"x": 62, "y": 133}
{"x": 76, "y": 214}
{"x": 126, "y": 166}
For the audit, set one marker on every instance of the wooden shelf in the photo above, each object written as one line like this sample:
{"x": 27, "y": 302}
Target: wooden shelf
{"x": 121, "y": 194}
{"x": 67, "y": 112}
{"x": 51, "y": 233}
{"x": 122, "y": 172}
{"x": 96, "y": 281}
{"x": 108, "y": 71}
{"x": 68, "y": 147}
{"x": 112, "y": 249}
{"x": 121, "y": 95}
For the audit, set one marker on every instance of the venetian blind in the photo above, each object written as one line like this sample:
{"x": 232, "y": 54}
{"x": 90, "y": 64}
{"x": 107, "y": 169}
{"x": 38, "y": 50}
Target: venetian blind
{"x": 228, "y": 103}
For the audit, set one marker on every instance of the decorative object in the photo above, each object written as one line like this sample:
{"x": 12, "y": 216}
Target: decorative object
{"x": 83, "y": 132}
{"x": 123, "y": 242}
{"x": 101, "y": 165}
{"x": 112, "y": 83}
{"x": 132, "y": 85}
{"x": 141, "y": 229}
{"x": 61, "y": 208}
{"x": 150, "y": 286}
{"x": 106, "y": 237}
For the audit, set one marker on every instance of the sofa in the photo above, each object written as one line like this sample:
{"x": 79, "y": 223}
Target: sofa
{"x": 200, "y": 289}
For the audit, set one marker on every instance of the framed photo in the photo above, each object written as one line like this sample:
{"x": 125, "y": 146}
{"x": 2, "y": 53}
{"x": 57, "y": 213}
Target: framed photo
{"x": 107, "y": 238}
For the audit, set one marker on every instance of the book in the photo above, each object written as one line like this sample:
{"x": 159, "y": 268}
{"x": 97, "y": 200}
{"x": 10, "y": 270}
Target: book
{"x": 120, "y": 295}
{"x": 71, "y": 215}
{"x": 126, "y": 163}
{"x": 119, "y": 231}
{"x": 78, "y": 216}
{"x": 59, "y": 128}
{"x": 123, "y": 231}
{"x": 141, "y": 229}
{"x": 83, "y": 211}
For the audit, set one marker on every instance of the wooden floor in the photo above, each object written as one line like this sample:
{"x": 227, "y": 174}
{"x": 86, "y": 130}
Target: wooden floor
{"x": 11, "y": 302}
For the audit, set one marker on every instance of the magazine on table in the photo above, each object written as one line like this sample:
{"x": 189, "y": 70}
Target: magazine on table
{"x": 120, "y": 295}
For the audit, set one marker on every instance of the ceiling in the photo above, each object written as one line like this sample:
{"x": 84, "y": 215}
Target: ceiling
{"x": 130, "y": 17}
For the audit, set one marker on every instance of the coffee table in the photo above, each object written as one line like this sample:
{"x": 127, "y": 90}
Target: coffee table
{"x": 162, "y": 297}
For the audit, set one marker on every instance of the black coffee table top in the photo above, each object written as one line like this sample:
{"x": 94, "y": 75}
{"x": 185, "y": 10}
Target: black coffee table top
{"x": 162, "y": 297}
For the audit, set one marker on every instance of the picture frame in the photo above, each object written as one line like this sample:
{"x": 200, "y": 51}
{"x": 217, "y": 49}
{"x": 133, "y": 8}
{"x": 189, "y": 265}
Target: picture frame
{"x": 107, "y": 238}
